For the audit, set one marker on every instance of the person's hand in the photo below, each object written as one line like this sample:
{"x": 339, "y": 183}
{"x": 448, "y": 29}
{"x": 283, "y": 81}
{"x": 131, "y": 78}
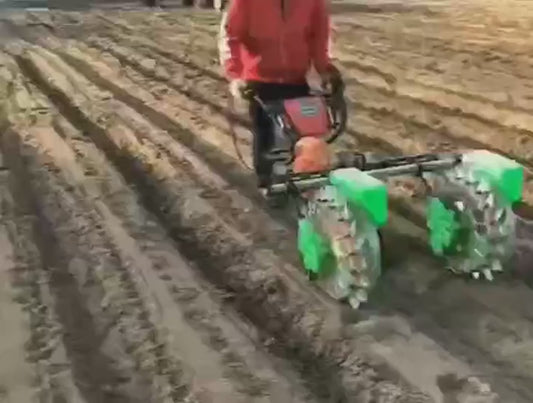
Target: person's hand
{"x": 332, "y": 79}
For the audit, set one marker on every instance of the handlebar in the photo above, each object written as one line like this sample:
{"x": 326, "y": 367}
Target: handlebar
{"x": 335, "y": 102}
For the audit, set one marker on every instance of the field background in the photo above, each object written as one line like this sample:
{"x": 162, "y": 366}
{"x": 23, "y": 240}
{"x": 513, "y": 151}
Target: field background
{"x": 138, "y": 263}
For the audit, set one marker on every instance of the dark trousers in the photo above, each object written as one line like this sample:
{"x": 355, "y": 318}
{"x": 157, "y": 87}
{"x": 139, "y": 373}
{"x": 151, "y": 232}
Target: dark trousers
{"x": 262, "y": 124}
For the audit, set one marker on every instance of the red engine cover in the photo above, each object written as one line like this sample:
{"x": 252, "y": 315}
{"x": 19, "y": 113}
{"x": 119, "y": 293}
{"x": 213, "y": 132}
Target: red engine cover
{"x": 308, "y": 116}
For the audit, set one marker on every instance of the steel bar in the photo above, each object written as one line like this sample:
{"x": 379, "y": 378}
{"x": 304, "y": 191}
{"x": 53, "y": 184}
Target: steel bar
{"x": 383, "y": 173}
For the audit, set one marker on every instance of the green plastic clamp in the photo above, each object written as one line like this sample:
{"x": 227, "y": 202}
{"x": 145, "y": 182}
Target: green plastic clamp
{"x": 443, "y": 225}
{"x": 503, "y": 174}
{"x": 363, "y": 191}
{"x": 313, "y": 249}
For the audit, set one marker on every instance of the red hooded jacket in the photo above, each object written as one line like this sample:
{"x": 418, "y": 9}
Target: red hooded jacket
{"x": 275, "y": 40}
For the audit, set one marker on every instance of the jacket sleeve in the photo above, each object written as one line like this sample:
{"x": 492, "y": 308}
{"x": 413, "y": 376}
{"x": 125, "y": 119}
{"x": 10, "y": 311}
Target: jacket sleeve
{"x": 231, "y": 35}
{"x": 321, "y": 37}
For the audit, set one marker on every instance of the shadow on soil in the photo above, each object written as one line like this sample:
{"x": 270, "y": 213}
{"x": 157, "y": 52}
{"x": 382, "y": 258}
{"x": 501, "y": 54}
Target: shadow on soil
{"x": 524, "y": 247}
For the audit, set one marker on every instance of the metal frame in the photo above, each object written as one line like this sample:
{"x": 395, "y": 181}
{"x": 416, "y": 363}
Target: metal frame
{"x": 382, "y": 169}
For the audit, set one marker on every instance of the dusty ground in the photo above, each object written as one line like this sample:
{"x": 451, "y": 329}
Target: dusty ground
{"x": 137, "y": 263}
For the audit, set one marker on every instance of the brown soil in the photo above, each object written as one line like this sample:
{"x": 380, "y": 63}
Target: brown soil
{"x": 138, "y": 263}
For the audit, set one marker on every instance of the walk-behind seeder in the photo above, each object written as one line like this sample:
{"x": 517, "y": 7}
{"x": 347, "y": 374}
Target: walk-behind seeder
{"x": 342, "y": 200}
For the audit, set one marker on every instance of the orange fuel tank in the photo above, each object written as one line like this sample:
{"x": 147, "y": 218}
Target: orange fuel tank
{"x": 311, "y": 155}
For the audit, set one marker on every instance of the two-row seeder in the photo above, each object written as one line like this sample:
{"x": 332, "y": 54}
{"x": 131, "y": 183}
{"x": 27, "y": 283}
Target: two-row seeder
{"x": 343, "y": 202}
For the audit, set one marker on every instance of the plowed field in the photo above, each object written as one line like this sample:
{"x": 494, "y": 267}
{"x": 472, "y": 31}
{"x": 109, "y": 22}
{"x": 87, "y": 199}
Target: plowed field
{"x": 139, "y": 264}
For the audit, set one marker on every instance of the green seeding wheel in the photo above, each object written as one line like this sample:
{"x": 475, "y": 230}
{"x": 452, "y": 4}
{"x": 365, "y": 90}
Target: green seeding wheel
{"x": 339, "y": 246}
{"x": 470, "y": 218}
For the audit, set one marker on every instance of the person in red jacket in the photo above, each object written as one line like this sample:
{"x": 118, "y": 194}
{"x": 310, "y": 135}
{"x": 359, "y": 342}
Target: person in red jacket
{"x": 270, "y": 46}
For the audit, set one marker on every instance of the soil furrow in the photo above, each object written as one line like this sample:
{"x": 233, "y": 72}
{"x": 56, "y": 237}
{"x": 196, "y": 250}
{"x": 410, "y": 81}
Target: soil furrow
{"x": 93, "y": 370}
{"x": 109, "y": 329}
{"x": 183, "y": 85}
{"x": 273, "y": 304}
{"x": 187, "y": 84}
{"x": 428, "y": 74}
{"x": 367, "y": 120}
{"x": 453, "y": 106}
{"x": 182, "y": 179}
{"x": 159, "y": 111}
{"x": 219, "y": 331}
{"x": 210, "y": 368}
{"x": 418, "y": 73}
{"x": 53, "y": 375}
{"x": 383, "y": 123}
{"x": 400, "y": 203}
{"x": 478, "y": 357}
{"x": 493, "y": 60}
{"x": 120, "y": 160}
{"x": 209, "y": 379}
{"x": 19, "y": 379}
{"x": 455, "y": 118}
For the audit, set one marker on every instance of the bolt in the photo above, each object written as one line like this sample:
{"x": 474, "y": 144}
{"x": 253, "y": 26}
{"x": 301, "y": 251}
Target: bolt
{"x": 497, "y": 266}
{"x": 353, "y": 229}
{"x": 470, "y": 179}
{"x": 459, "y": 174}
{"x": 483, "y": 187}
{"x": 354, "y": 302}
{"x": 361, "y": 295}
{"x": 361, "y": 281}
{"x": 460, "y": 206}
{"x": 500, "y": 214}
{"x": 488, "y": 274}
